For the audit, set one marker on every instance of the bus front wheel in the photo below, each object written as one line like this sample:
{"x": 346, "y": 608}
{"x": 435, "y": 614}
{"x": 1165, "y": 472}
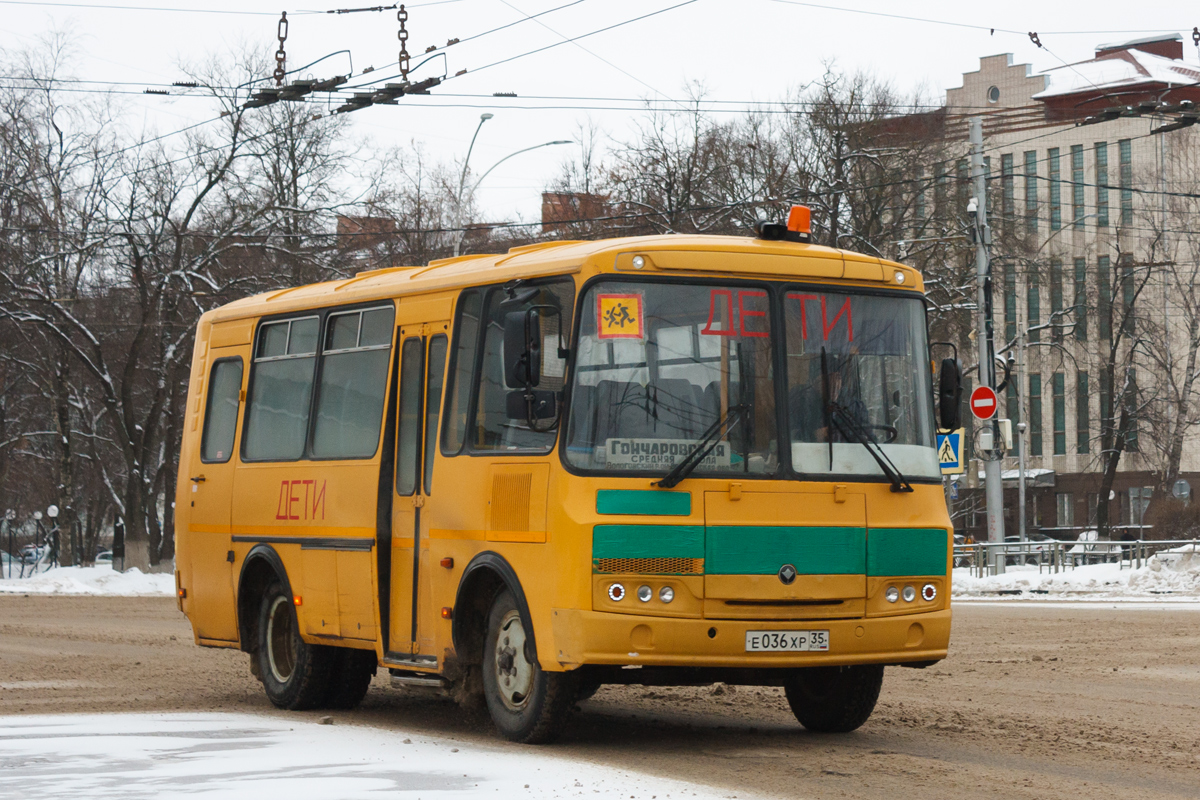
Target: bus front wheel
{"x": 834, "y": 699}
{"x": 527, "y": 704}
{"x": 294, "y": 674}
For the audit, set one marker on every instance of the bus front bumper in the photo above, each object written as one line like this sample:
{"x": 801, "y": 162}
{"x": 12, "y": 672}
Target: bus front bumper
{"x": 596, "y": 637}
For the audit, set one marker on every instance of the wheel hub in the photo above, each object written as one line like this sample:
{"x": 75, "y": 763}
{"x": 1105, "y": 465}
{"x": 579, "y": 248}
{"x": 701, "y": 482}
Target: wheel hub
{"x": 514, "y": 673}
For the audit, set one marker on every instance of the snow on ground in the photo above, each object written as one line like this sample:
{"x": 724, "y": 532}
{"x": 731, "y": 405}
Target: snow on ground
{"x": 1174, "y": 576}
{"x": 166, "y": 756}
{"x": 92, "y": 580}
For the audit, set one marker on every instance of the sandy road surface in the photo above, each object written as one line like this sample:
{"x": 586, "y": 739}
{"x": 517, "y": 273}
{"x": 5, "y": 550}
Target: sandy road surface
{"x": 1034, "y": 702}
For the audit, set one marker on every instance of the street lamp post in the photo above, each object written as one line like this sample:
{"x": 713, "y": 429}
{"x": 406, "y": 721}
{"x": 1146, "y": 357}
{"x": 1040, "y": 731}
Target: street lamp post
{"x": 462, "y": 179}
{"x": 461, "y": 230}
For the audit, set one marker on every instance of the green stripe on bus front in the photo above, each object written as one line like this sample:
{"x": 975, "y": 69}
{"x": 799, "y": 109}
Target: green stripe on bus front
{"x": 895, "y": 552}
{"x": 762, "y": 550}
{"x": 648, "y": 541}
{"x": 648, "y": 503}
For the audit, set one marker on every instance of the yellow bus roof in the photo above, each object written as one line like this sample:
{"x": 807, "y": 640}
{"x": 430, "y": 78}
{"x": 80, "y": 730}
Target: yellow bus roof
{"x": 666, "y": 254}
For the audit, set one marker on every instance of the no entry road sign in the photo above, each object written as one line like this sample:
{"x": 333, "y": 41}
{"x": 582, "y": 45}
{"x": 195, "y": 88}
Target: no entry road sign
{"x": 983, "y": 402}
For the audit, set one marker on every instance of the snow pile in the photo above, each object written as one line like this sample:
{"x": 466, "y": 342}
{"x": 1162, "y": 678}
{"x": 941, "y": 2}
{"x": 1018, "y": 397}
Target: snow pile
{"x": 134, "y": 756}
{"x": 1174, "y": 574}
{"x": 92, "y": 580}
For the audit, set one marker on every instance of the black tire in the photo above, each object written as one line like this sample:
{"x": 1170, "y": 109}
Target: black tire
{"x": 526, "y": 703}
{"x": 834, "y": 699}
{"x": 294, "y": 674}
{"x": 350, "y": 678}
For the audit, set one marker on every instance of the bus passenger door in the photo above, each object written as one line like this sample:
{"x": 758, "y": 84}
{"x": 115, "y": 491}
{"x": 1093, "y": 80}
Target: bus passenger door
{"x": 419, "y": 399}
{"x": 211, "y": 469}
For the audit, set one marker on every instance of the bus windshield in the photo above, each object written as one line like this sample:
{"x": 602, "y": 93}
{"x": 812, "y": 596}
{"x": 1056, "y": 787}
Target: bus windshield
{"x": 659, "y": 365}
{"x": 857, "y": 365}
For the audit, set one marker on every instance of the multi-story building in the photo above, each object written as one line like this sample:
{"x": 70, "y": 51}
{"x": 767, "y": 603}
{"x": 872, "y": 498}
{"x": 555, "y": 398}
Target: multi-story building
{"x": 1094, "y": 274}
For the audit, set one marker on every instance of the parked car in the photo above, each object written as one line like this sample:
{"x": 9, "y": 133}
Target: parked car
{"x": 1035, "y": 549}
{"x": 104, "y": 558}
{"x": 32, "y": 553}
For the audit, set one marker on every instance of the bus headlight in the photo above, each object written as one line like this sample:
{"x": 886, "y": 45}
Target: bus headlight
{"x": 666, "y": 594}
{"x": 910, "y": 593}
{"x": 616, "y": 592}
{"x": 644, "y": 593}
{"x": 892, "y": 594}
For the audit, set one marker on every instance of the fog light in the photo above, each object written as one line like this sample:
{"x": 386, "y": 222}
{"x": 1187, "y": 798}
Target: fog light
{"x": 666, "y": 594}
{"x": 928, "y": 592}
{"x": 638, "y": 262}
{"x": 616, "y": 592}
{"x": 910, "y": 593}
{"x": 645, "y": 593}
{"x": 892, "y": 594}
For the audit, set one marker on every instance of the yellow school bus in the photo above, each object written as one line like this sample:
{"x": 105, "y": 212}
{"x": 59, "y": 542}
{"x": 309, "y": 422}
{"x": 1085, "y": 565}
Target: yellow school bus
{"x": 668, "y": 460}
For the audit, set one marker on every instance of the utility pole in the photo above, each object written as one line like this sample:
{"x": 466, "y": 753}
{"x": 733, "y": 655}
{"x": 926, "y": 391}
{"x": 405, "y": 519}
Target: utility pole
{"x": 993, "y": 486}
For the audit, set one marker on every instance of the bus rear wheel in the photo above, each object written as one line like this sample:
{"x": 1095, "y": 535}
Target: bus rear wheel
{"x": 526, "y": 703}
{"x": 294, "y": 674}
{"x": 834, "y": 699}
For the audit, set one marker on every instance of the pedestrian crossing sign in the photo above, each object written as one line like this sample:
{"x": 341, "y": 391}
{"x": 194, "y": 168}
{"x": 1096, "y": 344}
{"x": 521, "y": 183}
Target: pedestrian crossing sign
{"x": 949, "y": 447}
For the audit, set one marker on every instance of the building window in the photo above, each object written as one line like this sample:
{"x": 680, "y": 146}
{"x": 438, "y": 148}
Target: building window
{"x": 1059, "y": 399}
{"x": 1081, "y": 331}
{"x": 1125, "y": 147}
{"x": 1010, "y": 302}
{"x": 1031, "y": 191}
{"x": 1102, "y": 184}
{"x": 1107, "y": 425}
{"x": 1033, "y": 299}
{"x": 1065, "y": 504}
{"x": 1139, "y": 503}
{"x": 1055, "y": 190}
{"x": 1093, "y": 502}
{"x": 962, "y": 180}
{"x": 940, "y": 179}
{"x": 1104, "y": 298}
{"x": 993, "y": 94}
{"x": 1012, "y": 403}
{"x": 1077, "y": 206}
{"x": 1128, "y": 293}
{"x": 1035, "y": 415}
{"x": 1056, "y": 299}
{"x": 1082, "y": 416}
{"x": 919, "y": 194}
{"x": 1008, "y": 198}
{"x": 1131, "y": 404}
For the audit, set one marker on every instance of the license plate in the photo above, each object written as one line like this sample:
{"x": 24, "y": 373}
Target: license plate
{"x": 786, "y": 641}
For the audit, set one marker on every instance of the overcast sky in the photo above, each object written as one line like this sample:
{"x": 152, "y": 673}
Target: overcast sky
{"x": 740, "y": 51}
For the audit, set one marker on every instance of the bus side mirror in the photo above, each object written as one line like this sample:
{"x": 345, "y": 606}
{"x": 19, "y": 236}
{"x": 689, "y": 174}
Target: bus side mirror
{"x": 522, "y": 349}
{"x": 949, "y": 394}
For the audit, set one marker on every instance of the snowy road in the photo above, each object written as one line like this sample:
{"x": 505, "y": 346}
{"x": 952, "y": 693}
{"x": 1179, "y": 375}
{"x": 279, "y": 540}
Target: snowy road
{"x": 1037, "y": 701}
{"x": 165, "y": 756}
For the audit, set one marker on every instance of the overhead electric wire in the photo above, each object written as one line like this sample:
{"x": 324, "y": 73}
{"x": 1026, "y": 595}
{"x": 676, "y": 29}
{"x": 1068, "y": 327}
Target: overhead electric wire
{"x": 989, "y": 28}
{"x": 575, "y": 38}
{"x": 232, "y": 12}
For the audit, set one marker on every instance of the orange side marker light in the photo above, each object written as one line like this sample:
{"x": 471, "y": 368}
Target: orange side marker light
{"x": 447, "y": 612}
{"x": 447, "y": 562}
{"x": 298, "y": 600}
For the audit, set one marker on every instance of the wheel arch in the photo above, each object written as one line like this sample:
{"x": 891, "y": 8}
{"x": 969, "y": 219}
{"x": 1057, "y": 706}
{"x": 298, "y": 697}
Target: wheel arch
{"x": 485, "y": 576}
{"x": 261, "y": 566}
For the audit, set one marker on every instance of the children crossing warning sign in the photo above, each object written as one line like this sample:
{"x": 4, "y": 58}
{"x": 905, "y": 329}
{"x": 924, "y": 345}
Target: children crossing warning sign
{"x": 949, "y": 446}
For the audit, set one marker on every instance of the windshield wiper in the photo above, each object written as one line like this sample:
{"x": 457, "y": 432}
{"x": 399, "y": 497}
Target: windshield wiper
{"x": 854, "y": 430}
{"x": 707, "y": 442}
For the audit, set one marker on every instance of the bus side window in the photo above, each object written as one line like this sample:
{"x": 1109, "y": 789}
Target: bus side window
{"x": 433, "y": 402}
{"x": 493, "y": 429}
{"x": 281, "y": 381}
{"x": 221, "y": 411}
{"x": 408, "y": 432}
{"x": 354, "y": 367}
{"x": 466, "y": 346}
